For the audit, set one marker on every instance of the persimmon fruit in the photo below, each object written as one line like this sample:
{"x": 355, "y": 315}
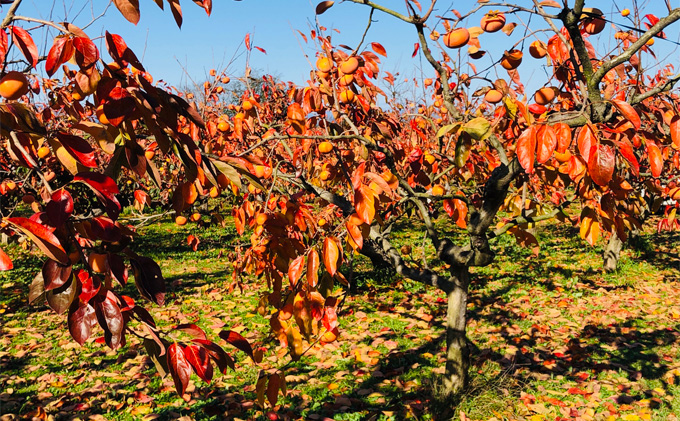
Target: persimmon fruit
{"x": 13, "y": 85}
{"x": 493, "y": 21}
{"x": 457, "y": 38}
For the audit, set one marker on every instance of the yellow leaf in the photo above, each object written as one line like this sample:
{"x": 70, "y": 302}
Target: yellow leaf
{"x": 478, "y": 128}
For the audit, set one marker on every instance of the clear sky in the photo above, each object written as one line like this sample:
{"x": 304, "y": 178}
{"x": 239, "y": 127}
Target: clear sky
{"x": 204, "y": 42}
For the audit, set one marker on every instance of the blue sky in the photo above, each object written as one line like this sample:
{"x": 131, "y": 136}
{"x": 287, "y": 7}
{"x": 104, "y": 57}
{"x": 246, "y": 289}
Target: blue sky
{"x": 204, "y": 42}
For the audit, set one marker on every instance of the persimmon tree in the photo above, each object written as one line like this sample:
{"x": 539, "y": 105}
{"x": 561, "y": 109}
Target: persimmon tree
{"x": 321, "y": 172}
{"x": 598, "y": 134}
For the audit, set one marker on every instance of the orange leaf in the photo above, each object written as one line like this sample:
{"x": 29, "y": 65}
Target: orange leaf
{"x": 547, "y": 142}
{"x": 601, "y": 164}
{"x": 331, "y": 255}
{"x": 629, "y": 112}
{"x": 378, "y": 48}
{"x": 313, "y": 268}
{"x": 675, "y": 130}
{"x": 526, "y": 149}
{"x": 655, "y": 159}
{"x": 563, "y": 134}
{"x": 586, "y": 140}
{"x": 295, "y": 269}
{"x": 364, "y": 201}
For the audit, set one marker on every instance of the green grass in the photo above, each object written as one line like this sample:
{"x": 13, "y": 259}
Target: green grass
{"x": 553, "y": 337}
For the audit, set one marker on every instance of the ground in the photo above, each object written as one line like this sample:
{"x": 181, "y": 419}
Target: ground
{"x": 553, "y": 337}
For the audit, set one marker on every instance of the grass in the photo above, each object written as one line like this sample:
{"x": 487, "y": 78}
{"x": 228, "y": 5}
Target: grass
{"x": 553, "y": 337}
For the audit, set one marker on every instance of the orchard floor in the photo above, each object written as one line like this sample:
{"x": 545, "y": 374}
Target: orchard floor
{"x": 554, "y": 339}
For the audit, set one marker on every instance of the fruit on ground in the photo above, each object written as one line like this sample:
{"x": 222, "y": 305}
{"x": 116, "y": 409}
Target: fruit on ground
{"x": 325, "y": 147}
{"x": 493, "y": 96}
{"x": 181, "y": 220}
{"x": 457, "y": 38}
{"x": 195, "y": 217}
{"x": 13, "y": 85}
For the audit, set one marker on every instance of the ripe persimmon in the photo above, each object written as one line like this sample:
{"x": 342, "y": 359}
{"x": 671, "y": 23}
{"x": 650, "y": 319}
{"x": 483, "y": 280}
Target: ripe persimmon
{"x": 493, "y": 96}
{"x": 181, "y": 220}
{"x": 438, "y": 190}
{"x": 324, "y": 64}
{"x": 511, "y": 59}
{"x": 13, "y": 85}
{"x": 538, "y": 49}
{"x": 456, "y": 38}
{"x": 493, "y": 21}
{"x": 325, "y": 147}
{"x": 349, "y": 66}
{"x": 544, "y": 95}
{"x": 346, "y": 96}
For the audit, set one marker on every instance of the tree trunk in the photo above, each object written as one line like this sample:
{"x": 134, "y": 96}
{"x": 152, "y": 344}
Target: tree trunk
{"x": 457, "y": 351}
{"x": 612, "y": 253}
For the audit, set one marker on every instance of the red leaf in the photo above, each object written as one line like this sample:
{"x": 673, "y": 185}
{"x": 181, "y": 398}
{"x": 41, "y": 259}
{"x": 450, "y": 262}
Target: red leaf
{"x": 416, "y": 47}
{"x": 526, "y": 147}
{"x": 221, "y": 358}
{"x": 273, "y": 389}
{"x": 200, "y": 360}
{"x": 81, "y": 320}
{"x": 42, "y": 237}
{"x": 111, "y": 320}
{"x": 59, "y": 208}
{"x": 655, "y": 159}
{"x": 628, "y": 112}
{"x": 295, "y": 269}
{"x": 193, "y": 330}
{"x": 313, "y": 268}
{"x": 55, "y": 274}
{"x": 331, "y": 255}
{"x": 129, "y": 9}
{"x": 547, "y": 142}
{"x": 87, "y": 53}
{"x": 24, "y": 41}
{"x": 5, "y": 261}
{"x": 585, "y": 141}
{"x": 3, "y": 45}
{"x": 179, "y": 367}
{"x": 120, "y": 52}
{"x": 675, "y": 130}
{"x": 79, "y": 149}
{"x": 378, "y": 48}
{"x": 60, "y": 53}
{"x": 235, "y": 339}
{"x": 626, "y": 150}
{"x": 247, "y": 41}
{"x": 601, "y": 164}
{"x": 105, "y": 188}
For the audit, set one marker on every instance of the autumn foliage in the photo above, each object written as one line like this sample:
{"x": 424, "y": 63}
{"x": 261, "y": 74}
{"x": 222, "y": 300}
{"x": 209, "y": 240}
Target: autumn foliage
{"x": 586, "y": 149}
